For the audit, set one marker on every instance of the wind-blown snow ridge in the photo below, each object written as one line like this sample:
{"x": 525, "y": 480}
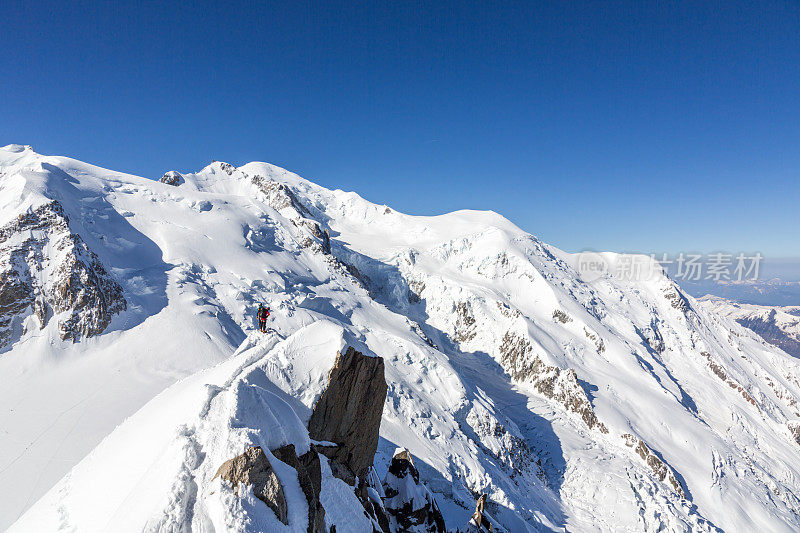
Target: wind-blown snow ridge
{"x": 603, "y": 406}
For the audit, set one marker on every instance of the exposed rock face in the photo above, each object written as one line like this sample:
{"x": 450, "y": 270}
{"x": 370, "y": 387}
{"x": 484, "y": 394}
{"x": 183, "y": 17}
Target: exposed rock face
{"x": 172, "y": 178}
{"x": 415, "y": 290}
{"x": 721, "y": 374}
{"x": 227, "y": 168}
{"x": 598, "y": 342}
{"x": 281, "y": 198}
{"x": 479, "y": 522}
{"x": 508, "y": 311}
{"x": 16, "y": 293}
{"x": 370, "y": 494}
{"x": 465, "y": 329}
{"x": 321, "y": 241}
{"x": 662, "y": 470}
{"x": 253, "y": 468}
{"x": 362, "y": 279}
{"x": 410, "y": 504}
{"x": 279, "y": 195}
{"x": 550, "y": 381}
{"x": 346, "y": 423}
{"x": 561, "y": 316}
{"x": 43, "y": 265}
{"x": 794, "y": 429}
{"x": 677, "y": 299}
{"x": 349, "y": 413}
{"x": 309, "y": 474}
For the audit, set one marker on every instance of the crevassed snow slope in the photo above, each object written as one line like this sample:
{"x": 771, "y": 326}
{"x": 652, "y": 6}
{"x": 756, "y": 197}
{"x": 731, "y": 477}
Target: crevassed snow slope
{"x": 191, "y": 274}
{"x": 709, "y": 397}
{"x": 603, "y": 406}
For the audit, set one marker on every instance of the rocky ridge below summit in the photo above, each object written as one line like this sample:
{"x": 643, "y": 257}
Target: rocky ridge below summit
{"x": 47, "y": 270}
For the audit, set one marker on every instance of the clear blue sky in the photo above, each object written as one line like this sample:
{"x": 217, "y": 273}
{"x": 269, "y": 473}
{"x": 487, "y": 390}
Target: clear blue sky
{"x": 629, "y": 126}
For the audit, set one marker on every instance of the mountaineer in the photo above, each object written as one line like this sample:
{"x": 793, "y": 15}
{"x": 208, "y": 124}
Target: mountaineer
{"x": 262, "y": 315}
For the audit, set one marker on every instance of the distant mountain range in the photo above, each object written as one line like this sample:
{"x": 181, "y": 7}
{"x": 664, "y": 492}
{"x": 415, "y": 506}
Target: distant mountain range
{"x": 771, "y": 291}
{"x": 778, "y": 325}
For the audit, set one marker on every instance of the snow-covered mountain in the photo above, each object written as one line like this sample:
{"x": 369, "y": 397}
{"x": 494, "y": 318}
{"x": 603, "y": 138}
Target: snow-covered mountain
{"x": 132, "y": 369}
{"x": 778, "y": 325}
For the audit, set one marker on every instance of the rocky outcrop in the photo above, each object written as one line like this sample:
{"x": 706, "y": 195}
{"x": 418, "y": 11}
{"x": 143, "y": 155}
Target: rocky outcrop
{"x": 349, "y": 413}
{"x": 227, "y": 168}
{"x": 345, "y": 426}
{"x": 677, "y": 299}
{"x": 320, "y": 240}
{"x": 278, "y": 195}
{"x": 281, "y": 198}
{"x": 46, "y": 268}
{"x": 479, "y": 522}
{"x": 794, "y": 431}
{"x": 595, "y": 338}
{"x": 415, "y": 290}
{"x": 719, "y": 371}
{"x": 309, "y": 474}
{"x": 16, "y": 293}
{"x": 172, "y": 178}
{"x": 661, "y": 469}
{"x": 410, "y": 504}
{"x": 253, "y": 468}
{"x": 465, "y": 329}
{"x": 552, "y": 382}
{"x": 508, "y": 311}
{"x": 561, "y": 316}
{"x": 371, "y": 495}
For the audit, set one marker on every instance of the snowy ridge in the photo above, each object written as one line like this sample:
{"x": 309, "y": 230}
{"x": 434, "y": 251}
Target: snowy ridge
{"x": 603, "y": 406}
{"x": 173, "y": 446}
{"x": 778, "y": 325}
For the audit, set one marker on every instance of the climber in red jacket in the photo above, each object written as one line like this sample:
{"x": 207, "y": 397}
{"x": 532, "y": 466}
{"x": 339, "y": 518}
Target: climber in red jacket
{"x": 262, "y": 315}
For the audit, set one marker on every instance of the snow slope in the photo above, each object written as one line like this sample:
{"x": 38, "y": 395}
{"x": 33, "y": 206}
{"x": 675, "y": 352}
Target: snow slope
{"x": 608, "y": 405}
{"x": 778, "y": 325}
{"x": 185, "y": 433}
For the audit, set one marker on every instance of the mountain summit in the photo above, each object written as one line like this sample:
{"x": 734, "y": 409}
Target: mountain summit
{"x": 139, "y": 394}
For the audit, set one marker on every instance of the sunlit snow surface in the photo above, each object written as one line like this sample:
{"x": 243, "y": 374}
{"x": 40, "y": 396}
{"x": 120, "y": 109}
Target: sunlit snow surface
{"x": 187, "y": 381}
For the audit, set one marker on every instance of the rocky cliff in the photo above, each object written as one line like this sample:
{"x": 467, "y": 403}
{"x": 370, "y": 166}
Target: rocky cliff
{"x": 348, "y": 413}
{"x": 48, "y": 271}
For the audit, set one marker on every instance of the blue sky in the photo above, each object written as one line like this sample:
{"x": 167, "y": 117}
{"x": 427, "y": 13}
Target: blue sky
{"x": 628, "y": 126}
